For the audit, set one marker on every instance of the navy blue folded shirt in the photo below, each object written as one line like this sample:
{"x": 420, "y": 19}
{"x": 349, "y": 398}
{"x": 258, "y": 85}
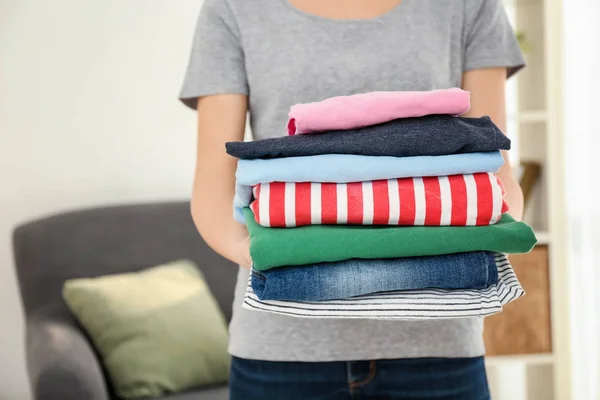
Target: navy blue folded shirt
{"x": 432, "y": 135}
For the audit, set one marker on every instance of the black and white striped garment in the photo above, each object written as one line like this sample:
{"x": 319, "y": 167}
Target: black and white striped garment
{"x": 412, "y": 304}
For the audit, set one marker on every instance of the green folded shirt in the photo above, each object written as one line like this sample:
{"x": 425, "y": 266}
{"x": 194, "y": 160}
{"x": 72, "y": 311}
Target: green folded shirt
{"x": 276, "y": 247}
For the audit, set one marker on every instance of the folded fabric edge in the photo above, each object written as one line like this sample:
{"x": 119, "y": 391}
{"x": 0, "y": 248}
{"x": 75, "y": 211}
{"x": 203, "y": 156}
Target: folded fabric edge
{"x": 507, "y": 290}
{"x": 459, "y": 94}
{"x": 238, "y": 215}
{"x": 291, "y": 127}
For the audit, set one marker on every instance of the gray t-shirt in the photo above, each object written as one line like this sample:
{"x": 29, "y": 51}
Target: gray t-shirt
{"x": 278, "y": 56}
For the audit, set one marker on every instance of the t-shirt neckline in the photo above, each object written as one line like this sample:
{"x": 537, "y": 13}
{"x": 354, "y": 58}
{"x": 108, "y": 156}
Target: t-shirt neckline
{"x": 378, "y": 18}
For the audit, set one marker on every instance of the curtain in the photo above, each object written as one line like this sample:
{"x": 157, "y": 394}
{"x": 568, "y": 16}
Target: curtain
{"x": 582, "y": 164}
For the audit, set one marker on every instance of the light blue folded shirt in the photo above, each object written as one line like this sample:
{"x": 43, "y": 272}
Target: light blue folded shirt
{"x": 344, "y": 168}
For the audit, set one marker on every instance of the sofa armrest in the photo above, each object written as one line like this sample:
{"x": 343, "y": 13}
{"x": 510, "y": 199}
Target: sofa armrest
{"x": 62, "y": 364}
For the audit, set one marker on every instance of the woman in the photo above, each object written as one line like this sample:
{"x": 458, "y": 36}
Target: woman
{"x": 263, "y": 56}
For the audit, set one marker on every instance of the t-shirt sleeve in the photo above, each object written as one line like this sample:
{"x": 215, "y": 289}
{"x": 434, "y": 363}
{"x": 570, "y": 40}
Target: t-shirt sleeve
{"x": 489, "y": 38}
{"x": 216, "y": 63}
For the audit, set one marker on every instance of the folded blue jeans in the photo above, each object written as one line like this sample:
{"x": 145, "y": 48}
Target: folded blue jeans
{"x": 349, "y": 278}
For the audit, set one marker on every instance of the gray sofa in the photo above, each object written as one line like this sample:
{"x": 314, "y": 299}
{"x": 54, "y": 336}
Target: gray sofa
{"x": 62, "y": 363}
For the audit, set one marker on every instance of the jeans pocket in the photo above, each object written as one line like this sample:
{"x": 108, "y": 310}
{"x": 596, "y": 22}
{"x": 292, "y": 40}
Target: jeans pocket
{"x": 488, "y": 259}
{"x": 259, "y": 275}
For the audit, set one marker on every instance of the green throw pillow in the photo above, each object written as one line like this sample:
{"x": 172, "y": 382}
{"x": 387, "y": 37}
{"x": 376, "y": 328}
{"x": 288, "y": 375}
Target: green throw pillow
{"x": 158, "y": 330}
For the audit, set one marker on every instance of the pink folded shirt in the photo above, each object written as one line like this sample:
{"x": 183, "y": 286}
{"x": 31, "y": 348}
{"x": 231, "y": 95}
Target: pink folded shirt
{"x": 459, "y": 200}
{"x": 357, "y": 111}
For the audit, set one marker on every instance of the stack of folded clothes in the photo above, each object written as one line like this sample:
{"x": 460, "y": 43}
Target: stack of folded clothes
{"x": 379, "y": 205}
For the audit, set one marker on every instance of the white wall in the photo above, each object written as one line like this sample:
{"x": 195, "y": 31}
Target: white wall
{"x": 88, "y": 116}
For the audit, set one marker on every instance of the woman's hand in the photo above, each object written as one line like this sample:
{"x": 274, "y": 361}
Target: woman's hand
{"x": 243, "y": 253}
{"x": 221, "y": 119}
{"x": 487, "y": 87}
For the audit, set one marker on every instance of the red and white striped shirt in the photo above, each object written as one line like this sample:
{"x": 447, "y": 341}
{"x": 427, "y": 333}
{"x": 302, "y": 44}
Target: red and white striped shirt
{"x": 459, "y": 200}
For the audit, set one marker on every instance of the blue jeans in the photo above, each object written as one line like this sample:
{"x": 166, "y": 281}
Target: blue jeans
{"x": 420, "y": 378}
{"x": 344, "y": 279}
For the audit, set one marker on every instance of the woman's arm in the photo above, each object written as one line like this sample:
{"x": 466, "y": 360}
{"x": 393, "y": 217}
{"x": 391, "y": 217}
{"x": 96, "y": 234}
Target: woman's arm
{"x": 487, "y": 87}
{"x": 221, "y": 119}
